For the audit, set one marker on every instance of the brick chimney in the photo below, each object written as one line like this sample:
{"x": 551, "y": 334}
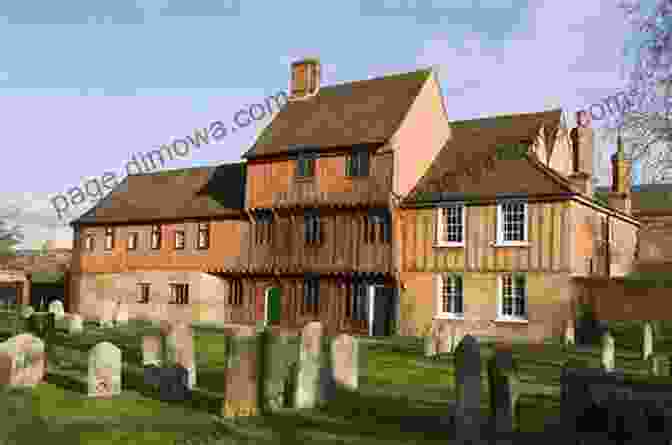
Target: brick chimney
{"x": 582, "y": 154}
{"x": 621, "y": 173}
{"x": 305, "y": 79}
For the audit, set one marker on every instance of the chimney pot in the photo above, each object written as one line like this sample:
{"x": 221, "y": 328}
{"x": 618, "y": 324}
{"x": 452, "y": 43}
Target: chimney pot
{"x": 305, "y": 80}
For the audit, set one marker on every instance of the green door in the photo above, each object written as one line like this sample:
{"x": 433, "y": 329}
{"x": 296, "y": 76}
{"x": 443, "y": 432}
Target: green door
{"x": 274, "y": 305}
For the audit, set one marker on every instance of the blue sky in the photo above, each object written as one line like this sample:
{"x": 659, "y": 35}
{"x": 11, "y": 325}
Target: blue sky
{"x": 87, "y": 83}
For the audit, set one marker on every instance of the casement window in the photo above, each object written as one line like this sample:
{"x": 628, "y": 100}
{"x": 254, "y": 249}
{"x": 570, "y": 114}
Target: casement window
{"x": 263, "y": 227}
{"x": 311, "y": 296}
{"x": 312, "y": 227}
{"x": 357, "y": 307}
{"x": 179, "y": 293}
{"x": 377, "y": 227}
{"x": 179, "y": 239}
{"x": 450, "y": 296}
{"x": 132, "y": 241}
{"x": 357, "y": 163}
{"x": 236, "y": 292}
{"x": 203, "y": 241}
{"x": 156, "y": 237}
{"x": 143, "y": 293}
{"x": 305, "y": 165}
{"x": 512, "y": 222}
{"x": 450, "y": 225}
{"x": 109, "y": 238}
{"x": 90, "y": 242}
{"x": 512, "y": 297}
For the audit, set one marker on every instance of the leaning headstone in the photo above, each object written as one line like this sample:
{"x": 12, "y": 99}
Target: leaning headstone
{"x": 647, "y": 341}
{"x": 75, "y": 324}
{"x": 179, "y": 348}
{"x": 345, "y": 359}
{"x": 608, "y": 352}
{"x": 309, "y": 366}
{"x": 22, "y": 361}
{"x": 504, "y": 391}
{"x": 104, "y": 379}
{"x": 569, "y": 333}
{"x": 56, "y": 308}
{"x": 152, "y": 350}
{"x": 468, "y": 390}
{"x": 121, "y": 314}
{"x": 241, "y": 385}
{"x": 445, "y": 339}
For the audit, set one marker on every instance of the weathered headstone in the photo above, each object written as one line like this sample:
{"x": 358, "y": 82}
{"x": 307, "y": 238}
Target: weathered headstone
{"x": 152, "y": 376}
{"x": 445, "y": 340}
{"x": 56, "y": 308}
{"x": 504, "y": 391}
{"x": 277, "y": 358}
{"x": 655, "y": 362}
{"x": 468, "y": 390}
{"x": 27, "y": 312}
{"x": 241, "y": 385}
{"x": 309, "y": 367}
{"x": 430, "y": 344}
{"x": 345, "y": 359}
{"x": 647, "y": 341}
{"x": 75, "y": 324}
{"x": 608, "y": 352}
{"x": 104, "y": 379}
{"x": 152, "y": 350}
{"x": 179, "y": 348}
{"x": 22, "y": 361}
{"x": 121, "y": 314}
{"x": 174, "y": 384}
{"x": 569, "y": 338}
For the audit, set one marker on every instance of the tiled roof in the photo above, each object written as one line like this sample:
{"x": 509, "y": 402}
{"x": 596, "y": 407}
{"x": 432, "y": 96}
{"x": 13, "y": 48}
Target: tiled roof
{"x": 361, "y": 112}
{"x": 473, "y": 145}
{"x": 173, "y": 194}
{"x": 648, "y": 198}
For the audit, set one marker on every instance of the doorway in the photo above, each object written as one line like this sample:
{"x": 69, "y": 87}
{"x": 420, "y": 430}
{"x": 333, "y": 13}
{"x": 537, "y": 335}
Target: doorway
{"x": 273, "y": 307}
{"x": 381, "y": 310}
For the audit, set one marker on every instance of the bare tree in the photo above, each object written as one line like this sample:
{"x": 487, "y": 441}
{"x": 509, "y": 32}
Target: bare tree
{"x": 9, "y": 235}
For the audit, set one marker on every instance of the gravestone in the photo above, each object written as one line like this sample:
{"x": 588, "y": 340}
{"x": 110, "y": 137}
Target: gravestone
{"x": 345, "y": 359}
{"x": 277, "y": 358}
{"x": 569, "y": 333}
{"x": 647, "y": 341}
{"x": 121, "y": 314}
{"x": 430, "y": 344}
{"x": 152, "y": 376}
{"x": 56, "y": 308}
{"x": 75, "y": 324}
{"x": 174, "y": 384}
{"x": 107, "y": 313}
{"x": 309, "y": 367}
{"x": 241, "y": 385}
{"x": 22, "y": 361}
{"x": 104, "y": 379}
{"x": 608, "y": 352}
{"x": 179, "y": 348}
{"x": 655, "y": 362}
{"x": 445, "y": 340}
{"x": 467, "y": 418}
{"x": 152, "y": 350}
{"x": 27, "y": 312}
{"x": 504, "y": 391}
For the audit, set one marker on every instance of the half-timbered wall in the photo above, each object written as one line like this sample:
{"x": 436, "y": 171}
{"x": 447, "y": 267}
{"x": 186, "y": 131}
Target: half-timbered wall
{"x": 548, "y": 234}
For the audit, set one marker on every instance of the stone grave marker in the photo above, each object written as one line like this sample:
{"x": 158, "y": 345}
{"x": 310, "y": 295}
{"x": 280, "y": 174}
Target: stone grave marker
{"x": 104, "y": 379}
{"x": 241, "y": 385}
{"x": 467, "y": 418}
{"x": 570, "y": 338}
{"x": 56, "y": 308}
{"x": 152, "y": 350}
{"x": 445, "y": 339}
{"x": 608, "y": 352}
{"x": 647, "y": 341}
{"x": 179, "y": 348}
{"x": 309, "y": 367}
{"x": 174, "y": 383}
{"x": 504, "y": 391}
{"x": 345, "y": 359}
{"x": 75, "y": 324}
{"x": 22, "y": 361}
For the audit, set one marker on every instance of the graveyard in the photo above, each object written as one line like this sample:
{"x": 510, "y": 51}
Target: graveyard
{"x": 103, "y": 383}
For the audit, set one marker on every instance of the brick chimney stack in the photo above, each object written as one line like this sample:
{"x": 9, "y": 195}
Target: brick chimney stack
{"x": 582, "y": 154}
{"x": 305, "y": 81}
{"x": 621, "y": 182}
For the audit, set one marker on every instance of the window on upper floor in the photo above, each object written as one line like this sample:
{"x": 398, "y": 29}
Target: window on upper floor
{"x": 89, "y": 242}
{"x": 143, "y": 293}
{"x": 311, "y": 296}
{"x": 377, "y": 226}
{"x": 305, "y": 165}
{"x": 203, "y": 241}
{"x": 512, "y": 222}
{"x": 156, "y": 237}
{"x": 357, "y": 163}
{"x": 179, "y": 239}
{"x": 109, "y": 238}
{"x": 312, "y": 227}
{"x": 263, "y": 227}
{"x": 450, "y": 295}
{"x": 132, "y": 241}
{"x": 450, "y": 225}
{"x": 512, "y": 297}
{"x": 236, "y": 292}
{"x": 179, "y": 293}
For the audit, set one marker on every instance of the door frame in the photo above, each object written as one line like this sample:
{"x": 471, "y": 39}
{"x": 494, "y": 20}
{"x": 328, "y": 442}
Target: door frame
{"x": 267, "y": 291}
{"x": 372, "y": 297}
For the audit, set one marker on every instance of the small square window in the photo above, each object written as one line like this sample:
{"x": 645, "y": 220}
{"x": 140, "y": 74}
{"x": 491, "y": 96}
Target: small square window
{"x": 109, "y": 238}
{"x": 203, "y": 241}
{"x": 132, "y": 241}
{"x": 451, "y": 295}
{"x": 156, "y": 237}
{"x": 179, "y": 239}
{"x": 143, "y": 293}
{"x": 305, "y": 165}
{"x": 513, "y": 297}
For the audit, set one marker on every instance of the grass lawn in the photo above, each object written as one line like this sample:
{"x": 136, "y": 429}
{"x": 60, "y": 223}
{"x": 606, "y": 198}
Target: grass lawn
{"x": 403, "y": 398}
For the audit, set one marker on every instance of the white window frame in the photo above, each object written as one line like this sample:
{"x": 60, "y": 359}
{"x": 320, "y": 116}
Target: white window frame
{"x": 89, "y": 242}
{"x": 500, "y": 224}
{"x": 500, "y": 300}
{"x": 438, "y": 293}
{"x": 440, "y": 226}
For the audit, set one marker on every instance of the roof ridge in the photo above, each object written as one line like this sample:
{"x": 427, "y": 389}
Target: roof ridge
{"x": 498, "y": 116}
{"x": 174, "y": 170}
{"x": 381, "y": 77}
